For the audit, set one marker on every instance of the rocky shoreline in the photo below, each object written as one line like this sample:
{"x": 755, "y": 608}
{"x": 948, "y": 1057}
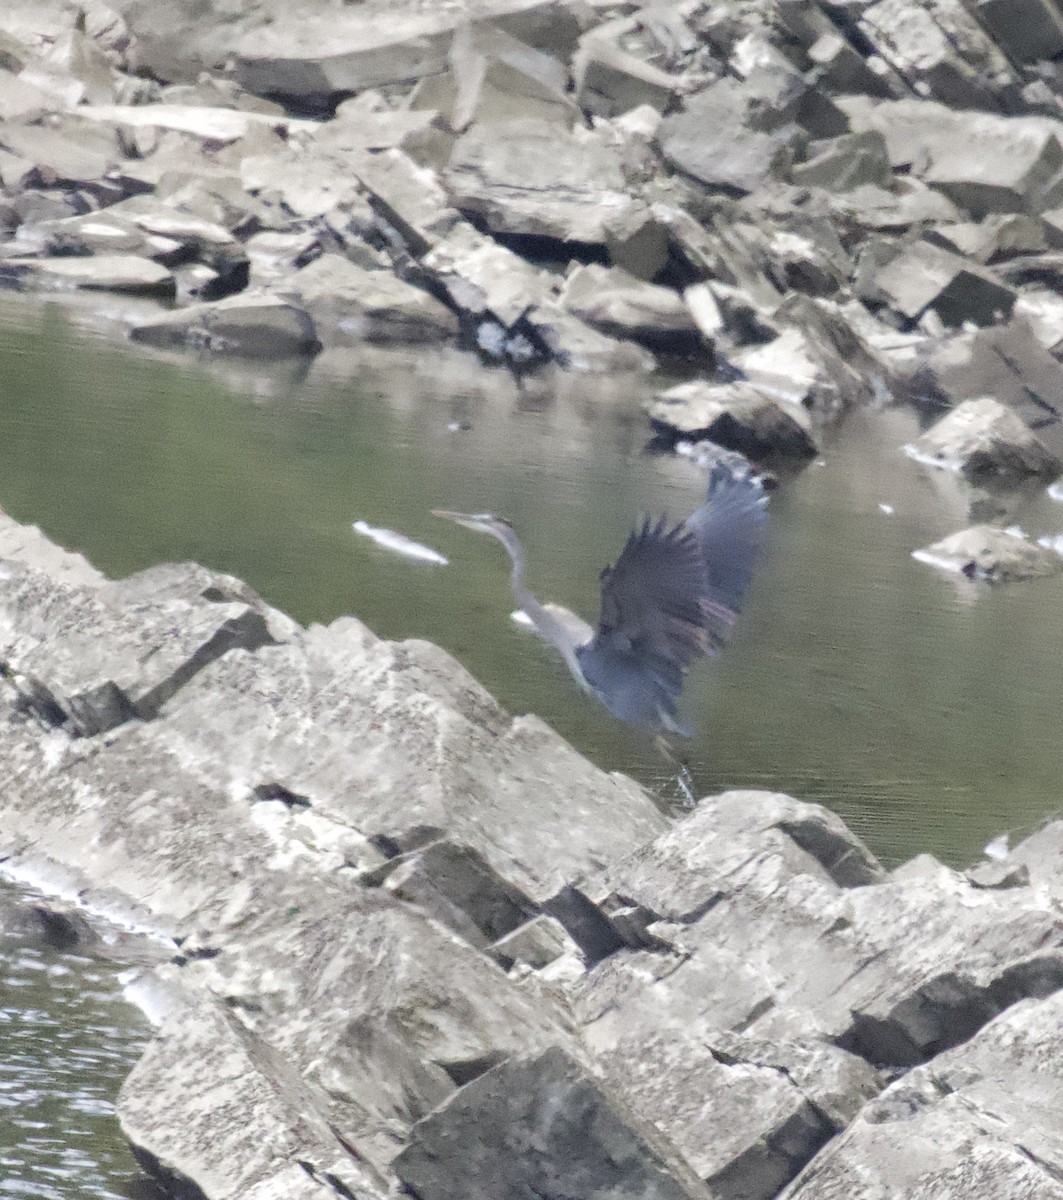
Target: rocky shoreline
{"x": 800, "y": 206}
{"x": 419, "y": 947}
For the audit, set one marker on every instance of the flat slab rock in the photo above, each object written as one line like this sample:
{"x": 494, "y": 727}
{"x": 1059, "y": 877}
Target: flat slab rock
{"x": 990, "y": 553}
{"x": 530, "y": 177}
{"x": 256, "y": 326}
{"x": 983, "y": 440}
{"x": 102, "y": 272}
{"x": 618, "y": 304}
{"x": 735, "y": 415}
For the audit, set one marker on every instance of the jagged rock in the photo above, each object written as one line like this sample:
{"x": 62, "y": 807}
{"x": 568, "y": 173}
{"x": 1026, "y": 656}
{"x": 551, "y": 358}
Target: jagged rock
{"x": 923, "y": 276}
{"x": 610, "y": 81}
{"x": 96, "y": 233}
{"x": 982, "y": 439}
{"x": 839, "y": 66}
{"x": 1028, "y": 31}
{"x": 257, "y": 326}
{"x": 349, "y": 305}
{"x": 539, "y": 1126}
{"x": 994, "y": 165}
{"x": 212, "y": 124}
{"x": 71, "y": 154}
{"x": 496, "y": 77}
{"x": 102, "y": 272}
{"x": 69, "y": 673}
{"x": 978, "y": 1121}
{"x": 1008, "y": 363}
{"x": 734, "y": 415}
{"x": 250, "y": 1096}
{"x": 999, "y": 236}
{"x": 577, "y": 346}
{"x": 408, "y": 197}
{"x": 710, "y": 141}
{"x": 38, "y": 922}
{"x": 910, "y": 203}
{"x": 987, "y": 552}
{"x": 618, "y": 304}
{"x": 925, "y": 45}
{"x": 535, "y": 944}
{"x": 527, "y": 177}
{"x": 844, "y": 163}
{"x": 20, "y": 99}
{"x": 481, "y": 276}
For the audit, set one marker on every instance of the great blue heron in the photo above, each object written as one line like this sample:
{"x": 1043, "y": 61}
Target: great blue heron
{"x": 672, "y": 595}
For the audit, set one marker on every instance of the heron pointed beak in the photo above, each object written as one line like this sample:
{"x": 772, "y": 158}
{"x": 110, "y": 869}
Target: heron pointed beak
{"x": 466, "y": 519}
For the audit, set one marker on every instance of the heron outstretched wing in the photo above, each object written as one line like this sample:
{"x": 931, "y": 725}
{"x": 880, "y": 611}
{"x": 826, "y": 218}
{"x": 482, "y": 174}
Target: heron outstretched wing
{"x": 672, "y": 595}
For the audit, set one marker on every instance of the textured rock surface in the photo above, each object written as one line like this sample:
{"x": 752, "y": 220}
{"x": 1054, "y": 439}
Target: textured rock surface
{"x": 984, "y": 441}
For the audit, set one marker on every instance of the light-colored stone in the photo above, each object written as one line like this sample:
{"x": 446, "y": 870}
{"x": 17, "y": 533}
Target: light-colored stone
{"x": 618, "y": 304}
{"x": 988, "y": 552}
{"x": 983, "y": 440}
{"x": 257, "y": 326}
{"x": 102, "y": 272}
{"x": 734, "y": 415}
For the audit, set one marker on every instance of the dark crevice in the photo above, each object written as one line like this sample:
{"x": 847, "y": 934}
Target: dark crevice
{"x": 277, "y": 791}
{"x": 585, "y": 924}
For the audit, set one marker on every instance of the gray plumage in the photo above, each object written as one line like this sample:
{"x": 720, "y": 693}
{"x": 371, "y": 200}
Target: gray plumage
{"x": 672, "y": 595}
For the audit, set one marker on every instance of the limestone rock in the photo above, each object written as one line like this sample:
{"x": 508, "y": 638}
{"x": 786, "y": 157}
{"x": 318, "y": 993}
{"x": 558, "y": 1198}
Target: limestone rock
{"x": 618, "y": 304}
{"x": 408, "y": 197}
{"x": 542, "y": 1127}
{"x": 349, "y": 305}
{"x": 481, "y": 276}
{"x": 257, "y": 326}
{"x": 74, "y": 153}
{"x": 250, "y": 1097}
{"x": 526, "y": 177}
{"x": 983, "y": 440}
{"x": 734, "y": 415}
{"x": 710, "y": 141}
{"x": 1028, "y": 31}
{"x": 579, "y": 347}
{"x": 102, "y": 272}
{"x": 71, "y": 675}
{"x": 978, "y": 1121}
{"x": 844, "y": 163}
{"x": 987, "y": 552}
{"x": 957, "y": 289}
{"x": 610, "y": 81}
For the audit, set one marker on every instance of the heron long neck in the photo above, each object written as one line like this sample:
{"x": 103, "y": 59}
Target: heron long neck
{"x": 548, "y": 627}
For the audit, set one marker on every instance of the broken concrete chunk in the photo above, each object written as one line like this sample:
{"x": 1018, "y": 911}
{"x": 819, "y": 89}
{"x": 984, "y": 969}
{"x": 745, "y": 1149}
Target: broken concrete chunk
{"x": 539, "y": 1126}
{"x": 257, "y": 326}
{"x": 622, "y": 306}
{"x": 734, "y": 415}
{"x": 987, "y": 552}
{"x": 958, "y": 290}
{"x": 983, "y": 440}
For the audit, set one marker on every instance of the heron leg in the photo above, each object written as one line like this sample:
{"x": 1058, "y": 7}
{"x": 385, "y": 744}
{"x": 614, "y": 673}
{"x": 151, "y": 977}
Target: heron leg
{"x": 683, "y": 778}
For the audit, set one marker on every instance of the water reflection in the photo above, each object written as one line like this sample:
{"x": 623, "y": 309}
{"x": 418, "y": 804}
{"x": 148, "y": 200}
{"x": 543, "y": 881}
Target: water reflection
{"x": 923, "y": 712}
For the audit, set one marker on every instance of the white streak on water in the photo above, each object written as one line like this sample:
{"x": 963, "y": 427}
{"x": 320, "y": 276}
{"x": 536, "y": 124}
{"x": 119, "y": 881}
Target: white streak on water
{"x": 399, "y": 543}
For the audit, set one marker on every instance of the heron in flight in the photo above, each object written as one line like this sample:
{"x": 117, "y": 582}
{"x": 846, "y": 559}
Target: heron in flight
{"x": 672, "y": 596}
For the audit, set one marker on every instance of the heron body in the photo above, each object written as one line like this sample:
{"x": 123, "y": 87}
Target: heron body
{"x": 671, "y": 596}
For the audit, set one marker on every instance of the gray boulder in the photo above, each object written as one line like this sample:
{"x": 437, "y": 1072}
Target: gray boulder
{"x": 925, "y": 277}
{"x": 349, "y": 305}
{"x": 528, "y": 177}
{"x": 978, "y": 1121}
{"x": 987, "y": 552}
{"x": 734, "y": 415}
{"x": 102, "y": 272}
{"x": 618, "y": 304}
{"x": 540, "y": 1127}
{"x": 984, "y": 440}
{"x": 259, "y": 326}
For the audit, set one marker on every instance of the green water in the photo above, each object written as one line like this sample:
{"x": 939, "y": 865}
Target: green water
{"x": 921, "y": 708}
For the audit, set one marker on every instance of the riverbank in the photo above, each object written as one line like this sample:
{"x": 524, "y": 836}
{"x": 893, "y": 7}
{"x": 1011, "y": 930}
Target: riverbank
{"x": 419, "y": 943}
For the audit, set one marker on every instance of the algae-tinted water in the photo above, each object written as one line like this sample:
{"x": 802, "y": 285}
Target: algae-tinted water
{"x": 923, "y": 709}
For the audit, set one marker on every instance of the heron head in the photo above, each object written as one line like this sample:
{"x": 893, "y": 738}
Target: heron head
{"x": 478, "y": 522}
